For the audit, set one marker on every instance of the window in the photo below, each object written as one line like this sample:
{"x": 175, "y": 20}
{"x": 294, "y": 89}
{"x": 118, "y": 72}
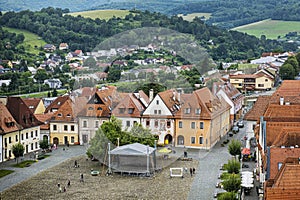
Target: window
{"x": 193, "y": 125}
{"x": 180, "y": 140}
{"x": 9, "y": 140}
{"x": 84, "y": 124}
{"x": 59, "y": 115}
{"x": 65, "y": 127}
{"x": 197, "y": 111}
{"x": 155, "y": 112}
{"x": 279, "y": 165}
{"x": 9, "y": 153}
{"x": 147, "y": 122}
{"x": 26, "y": 135}
{"x": 180, "y": 124}
{"x": 128, "y": 123}
{"x": 260, "y": 85}
{"x": 266, "y": 80}
{"x": 187, "y": 110}
{"x": 96, "y": 124}
{"x": 31, "y": 146}
{"x": 168, "y": 123}
{"x": 36, "y": 133}
{"x": 31, "y": 134}
{"x": 201, "y": 125}
{"x": 54, "y": 127}
{"x": 16, "y": 138}
{"x": 157, "y": 102}
{"x": 200, "y": 140}
{"x": 159, "y": 112}
{"x": 156, "y": 123}
{"x": 130, "y": 110}
{"x": 72, "y": 139}
{"x": 193, "y": 140}
{"x": 22, "y": 136}
{"x": 36, "y": 145}
{"x": 72, "y": 128}
{"x": 121, "y": 110}
{"x": 5, "y": 142}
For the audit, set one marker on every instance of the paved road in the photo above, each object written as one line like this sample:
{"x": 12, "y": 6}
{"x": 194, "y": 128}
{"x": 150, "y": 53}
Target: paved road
{"x": 20, "y": 174}
{"x": 210, "y": 163}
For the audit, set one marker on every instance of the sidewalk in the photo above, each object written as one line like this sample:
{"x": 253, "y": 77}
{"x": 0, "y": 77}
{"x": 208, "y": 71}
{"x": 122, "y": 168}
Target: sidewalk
{"x": 20, "y": 174}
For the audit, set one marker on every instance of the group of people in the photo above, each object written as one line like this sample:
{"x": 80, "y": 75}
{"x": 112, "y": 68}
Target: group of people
{"x": 192, "y": 171}
{"x": 65, "y": 188}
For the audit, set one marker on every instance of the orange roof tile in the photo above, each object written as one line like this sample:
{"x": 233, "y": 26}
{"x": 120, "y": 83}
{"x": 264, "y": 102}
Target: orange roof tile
{"x": 7, "y": 123}
{"x": 55, "y": 105}
{"x": 258, "y": 108}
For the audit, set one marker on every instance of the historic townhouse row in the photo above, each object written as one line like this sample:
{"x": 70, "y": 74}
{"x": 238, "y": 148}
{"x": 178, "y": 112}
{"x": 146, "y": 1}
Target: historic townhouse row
{"x": 18, "y": 124}
{"x": 278, "y": 135}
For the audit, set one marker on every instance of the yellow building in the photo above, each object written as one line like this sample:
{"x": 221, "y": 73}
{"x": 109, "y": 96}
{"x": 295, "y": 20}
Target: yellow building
{"x": 64, "y": 123}
{"x": 202, "y": 120}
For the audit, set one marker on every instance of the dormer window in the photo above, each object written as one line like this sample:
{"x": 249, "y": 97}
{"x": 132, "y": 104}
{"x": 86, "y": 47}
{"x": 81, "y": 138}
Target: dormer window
{"x": 58, "y": 103}
{"x": 31, "y": 107}
{"x": 130, "y": 110}
{"x": 68, "y": 115}
{"x": 90, "y": 108}
{"x": 121, "y": 110}
{"x": 59, "y": 115}
{"x": 187, "y": 110}
{"x": 197, "y": 111}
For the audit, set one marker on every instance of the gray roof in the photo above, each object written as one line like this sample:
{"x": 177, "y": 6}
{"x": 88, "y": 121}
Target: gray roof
{"x": 135, "y": 149}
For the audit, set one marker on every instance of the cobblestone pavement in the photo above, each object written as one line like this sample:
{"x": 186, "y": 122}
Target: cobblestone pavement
{"x": 20, "y": 174}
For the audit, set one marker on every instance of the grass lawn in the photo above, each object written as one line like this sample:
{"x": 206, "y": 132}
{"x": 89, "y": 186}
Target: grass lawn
{"x": 190, "y": 17}
{"x": 43, "y": 94}
{"x": 270, "y": 28}
{"x": 31, "y": 40}
{"x": 25, "y": 163}
{"x": 101, "y": 14}
{"x": 4, "y": 172}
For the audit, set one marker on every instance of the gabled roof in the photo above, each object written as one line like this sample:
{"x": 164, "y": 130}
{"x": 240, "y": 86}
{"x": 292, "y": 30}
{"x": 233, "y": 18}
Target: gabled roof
{"x": 228, "y": 88}
{"x": 172, "y": 99}
{"x": 137, "y": 101}
{"x": 7, "y": 123}
{"x": 55, "y": 105}
{"x": 21, "y": 112}
{"x": 44, "y": 119}
{"x": 135, "y": 149}
{"x": 65, "y": 112}
{"x": 32, "y": 103}
{"x": 258, "y": 108}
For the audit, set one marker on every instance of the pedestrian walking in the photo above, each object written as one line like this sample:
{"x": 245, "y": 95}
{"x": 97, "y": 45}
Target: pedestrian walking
{"x": 81, "y": 178}
{"x": 191, "y": 171}
{"x": 75, "y": 164}
{"x": 69, "y": 183}
{"x": 58, "y": 185}
{"x": 65, "y": 189}
{"x": 194, "y": 170}
{"x": 59, "y": 189}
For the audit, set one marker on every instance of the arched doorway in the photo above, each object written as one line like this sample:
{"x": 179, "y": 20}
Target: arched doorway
{"x": 180, "y": 140}
{"x": 168, "y": 139}
{"x": 55, "y": 141}
{"x": 45, "y": 138}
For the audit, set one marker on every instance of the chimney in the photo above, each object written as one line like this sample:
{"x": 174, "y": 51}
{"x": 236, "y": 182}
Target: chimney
{"x": 281, "y": 101}
{"x": 151, "y": 95}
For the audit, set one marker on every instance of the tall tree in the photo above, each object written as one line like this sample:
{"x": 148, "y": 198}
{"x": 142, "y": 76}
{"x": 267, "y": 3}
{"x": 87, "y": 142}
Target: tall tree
{"x": 287, "y": 72}
{"x": 18, "y": 150}
{"x": 234, "y": 148}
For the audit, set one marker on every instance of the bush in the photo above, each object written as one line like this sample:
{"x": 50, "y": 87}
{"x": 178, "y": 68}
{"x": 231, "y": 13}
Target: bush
{"x": 232, "y": 183}
{"x": 233, "y": 166}
{"x": 227, "y": 196}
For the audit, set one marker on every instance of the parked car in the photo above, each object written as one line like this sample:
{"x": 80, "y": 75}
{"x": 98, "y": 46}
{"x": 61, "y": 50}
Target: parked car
{"x": 240, "y": 124}
{"x": 230, "y": 133}
{"x": 235, "y": 129}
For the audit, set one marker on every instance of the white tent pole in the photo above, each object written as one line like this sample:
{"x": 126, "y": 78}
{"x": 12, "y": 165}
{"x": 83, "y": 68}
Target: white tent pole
{"x": 109, "y": 167}
{"x": 147, "y": 158}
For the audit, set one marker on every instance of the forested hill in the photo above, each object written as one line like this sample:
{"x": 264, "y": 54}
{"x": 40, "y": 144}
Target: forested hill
{"x": 84, "y": 33}
{"x": 233, "y": 13}
{"x": 225, "y": 13}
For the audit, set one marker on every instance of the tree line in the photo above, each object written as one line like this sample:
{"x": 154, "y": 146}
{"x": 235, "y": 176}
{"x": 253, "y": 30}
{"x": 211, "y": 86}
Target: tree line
{"x": 54, "y": 26}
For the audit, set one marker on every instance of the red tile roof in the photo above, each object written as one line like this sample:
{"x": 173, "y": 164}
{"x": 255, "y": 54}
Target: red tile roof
{"x": 7, "y": 123}
{"x": 55, "y": 105}
{"x": 21, "y": 112}
{"x": 286, "y": 184}
{"x": 32, "y": 103}
{"x": 258, "y": 108}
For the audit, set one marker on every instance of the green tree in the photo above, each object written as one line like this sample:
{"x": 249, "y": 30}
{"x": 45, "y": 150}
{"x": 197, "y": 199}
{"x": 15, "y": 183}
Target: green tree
{"x": 98, "y": 146}
{"x": 227, "y": 196}
{"x": 44, "y": 144}
{"x": 54, "y": 93}
{"x": 18, "y": 150}
{"x": 113, "y": 130}
{"x": 232, "y": 183}
{"x": 293, "y": 61}
{"x": 233, "y": 166}
{"x": 287, "y": 72}
{"x": 41, "y": 75}
{"x": 234, "y": 148}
